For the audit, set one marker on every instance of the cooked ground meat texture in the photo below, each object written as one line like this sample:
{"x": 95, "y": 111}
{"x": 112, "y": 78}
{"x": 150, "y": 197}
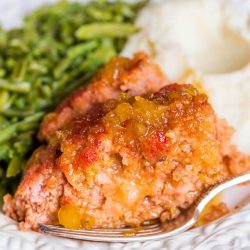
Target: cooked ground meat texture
{"x": 125, "y": 160}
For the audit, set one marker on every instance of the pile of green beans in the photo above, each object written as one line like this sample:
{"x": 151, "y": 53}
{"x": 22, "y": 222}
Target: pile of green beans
{"x": 58, "y": 48}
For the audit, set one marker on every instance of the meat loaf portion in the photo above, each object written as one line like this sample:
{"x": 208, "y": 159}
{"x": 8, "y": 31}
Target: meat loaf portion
{"x": 37, "y": 197}
{"x": 125, "y": 161}
{"x": 135, "y": 76}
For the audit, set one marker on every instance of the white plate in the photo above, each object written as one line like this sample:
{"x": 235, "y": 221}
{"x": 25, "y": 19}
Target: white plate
{"x": 231, "y": 232}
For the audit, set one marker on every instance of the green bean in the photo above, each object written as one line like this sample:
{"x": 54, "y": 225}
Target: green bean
{"x": 18, "y": 44}
{"x": 27, "y": 123}
{"x": 22, "y": 147}
{"x": 4, "y": 152}
{"x": 4, "y": 122}
{"x": 20, "y": 103}
{"x": 27, "y": 126}
{"x": 33, "y": 118}
{"x": 98, "y": 14}
{"x": 46, "y": 90}
{"x": 14, "y": 167}
{"x": 37, "y": 68}
{"x": 4, "y": 96}
{"x": 81, "y": 49}
{"x": 73, "y": 52}
{"x": 16, "y": 113}
{"x": 23, "y": 87}
{"x": 98, "y": 30}
{"x": 8, "y": 133}
{"x": 2, "y": 73}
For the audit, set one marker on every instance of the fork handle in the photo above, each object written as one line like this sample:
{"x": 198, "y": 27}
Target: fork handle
{"x": 211, "y": 193}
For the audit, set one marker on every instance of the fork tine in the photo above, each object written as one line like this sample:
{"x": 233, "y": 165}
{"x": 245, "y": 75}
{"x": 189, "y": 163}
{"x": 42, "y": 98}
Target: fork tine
{"x": 121, "y": 237}
{"x": 125, "y": 231}
{"x": 145, "y": 227}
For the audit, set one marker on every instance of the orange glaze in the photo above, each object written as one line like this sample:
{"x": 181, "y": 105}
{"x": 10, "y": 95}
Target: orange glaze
{"x": 136, "y": 76}
{"x": 70, "y": 217}
{"x": 145, "y": 137}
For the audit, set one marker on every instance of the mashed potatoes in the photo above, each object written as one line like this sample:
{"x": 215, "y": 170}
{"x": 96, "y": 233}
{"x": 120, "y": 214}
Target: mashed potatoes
{"x": 206, "y": 42}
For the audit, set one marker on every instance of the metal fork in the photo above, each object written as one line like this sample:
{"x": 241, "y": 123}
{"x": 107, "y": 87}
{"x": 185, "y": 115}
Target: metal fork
{"x": 148, "y": 231}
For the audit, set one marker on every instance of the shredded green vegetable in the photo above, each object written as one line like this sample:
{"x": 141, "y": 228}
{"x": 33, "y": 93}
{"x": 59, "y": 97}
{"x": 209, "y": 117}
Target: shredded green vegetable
{"x": 58, "y": 48}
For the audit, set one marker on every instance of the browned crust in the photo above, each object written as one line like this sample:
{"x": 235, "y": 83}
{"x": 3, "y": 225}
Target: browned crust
{"x": 136, "y": 76}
